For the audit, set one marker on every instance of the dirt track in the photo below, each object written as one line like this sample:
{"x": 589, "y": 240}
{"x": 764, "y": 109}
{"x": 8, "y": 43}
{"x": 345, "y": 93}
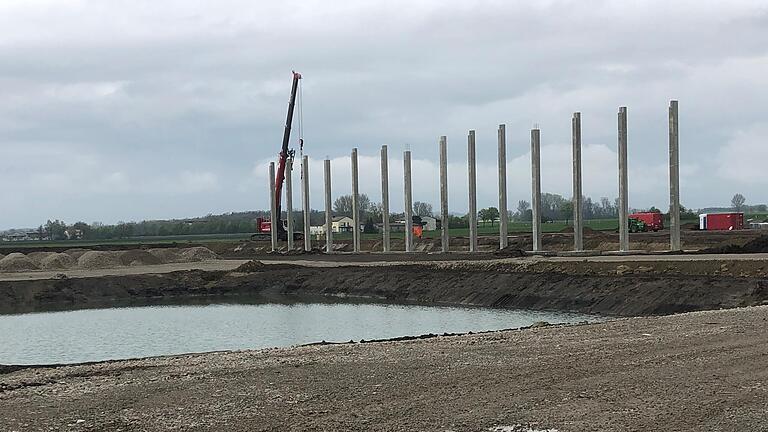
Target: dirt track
{"x": 692, "y": 372}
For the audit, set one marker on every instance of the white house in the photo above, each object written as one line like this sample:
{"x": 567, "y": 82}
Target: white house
{"x": 429, "y": 223}
{"x": 338, "y": 224}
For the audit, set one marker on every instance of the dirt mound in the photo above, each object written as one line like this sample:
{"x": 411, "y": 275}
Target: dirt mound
{"x": 2, "y": 256}
{"x": 57, "y": 261}
{"x": 137, "y": 257}
{"x": 92, "y": 260}
{"x": 251, "y": 267}
{"x": 198, "y": 253}
{"x": 757, "y": 245}
{"x": 38, "y": 257}
{"x": 510, "y": 251}
{"x": 17, "y": 262}
{"x": 166, "y": 255}
{"x": 76, "y": 253}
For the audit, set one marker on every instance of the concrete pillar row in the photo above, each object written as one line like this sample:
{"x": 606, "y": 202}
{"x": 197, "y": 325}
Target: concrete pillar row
{"x": 385, "y": 199}
{"x": 408, "y": 204}
{"x": 578, "y": 214}
{"x": 444, "y": 236}
{"x": 355, "y": 203}
{"x": 273, "y": 218}
{"x": 472, "y": 174}
{"x": 536, "y": 188}
{"x": 328, "y": 210}
{"x": 305, "y": 202}
{"x": 503, "y": 214}
{"x": 674, "y": 178}
{"x": 289, "y": 200}
{"x": 623, "y": 182}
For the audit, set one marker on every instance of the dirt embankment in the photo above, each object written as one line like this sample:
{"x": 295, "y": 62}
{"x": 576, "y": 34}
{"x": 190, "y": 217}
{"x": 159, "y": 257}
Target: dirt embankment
{"x": 693, "y": 372}
{"x": 604, "y": 288}
{"x": 741, "y": 241}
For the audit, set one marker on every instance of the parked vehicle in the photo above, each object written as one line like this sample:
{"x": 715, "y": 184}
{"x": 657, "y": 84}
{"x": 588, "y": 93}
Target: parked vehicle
{"x": 653, "y": 221}
{"x": 636, "y": 225}
{"x": 721, "y": 221}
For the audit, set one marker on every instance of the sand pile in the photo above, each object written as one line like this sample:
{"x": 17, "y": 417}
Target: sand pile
{"x": 2, "y": 256}
{"x": 198, "y": 253}
{"x": 137, "y": 257}
{"x": 57, "y": 261}
{"x": 166, "y": 255}
{"x": 38, "y": 257}
{"x": 17, "y": 262}
{"x": 76, "y": 253}
{"x": 92, "y": 260}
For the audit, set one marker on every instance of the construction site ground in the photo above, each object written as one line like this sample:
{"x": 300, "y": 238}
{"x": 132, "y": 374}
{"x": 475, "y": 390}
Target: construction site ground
{"x": 659, "y": 369}
{"x": 689, "y": 372}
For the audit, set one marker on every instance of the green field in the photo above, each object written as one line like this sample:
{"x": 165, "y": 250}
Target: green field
{"x": 483, "y": 229}
{"x": 200, "y": 238}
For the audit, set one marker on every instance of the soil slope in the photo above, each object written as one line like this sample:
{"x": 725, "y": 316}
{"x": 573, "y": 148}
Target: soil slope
{"x": 605, "y": 288}
{"x": 691, "y": 372}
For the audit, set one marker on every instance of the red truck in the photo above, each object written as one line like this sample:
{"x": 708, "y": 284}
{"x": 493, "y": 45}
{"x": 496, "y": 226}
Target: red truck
{"x": 652, "y": 220}
{"x": 721, "y": 221}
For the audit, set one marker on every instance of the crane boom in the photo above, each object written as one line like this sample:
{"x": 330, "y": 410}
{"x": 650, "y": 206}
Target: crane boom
{"x": 285, "y": 153}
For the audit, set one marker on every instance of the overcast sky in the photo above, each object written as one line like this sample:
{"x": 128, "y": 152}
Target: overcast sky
{"x": 132, "y": 110}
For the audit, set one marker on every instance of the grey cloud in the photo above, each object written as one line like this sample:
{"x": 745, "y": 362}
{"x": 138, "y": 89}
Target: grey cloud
{"x": 202, "y": 88}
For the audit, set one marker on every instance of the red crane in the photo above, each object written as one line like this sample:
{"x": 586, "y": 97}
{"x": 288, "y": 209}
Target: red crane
{"x": 263, "y": 225}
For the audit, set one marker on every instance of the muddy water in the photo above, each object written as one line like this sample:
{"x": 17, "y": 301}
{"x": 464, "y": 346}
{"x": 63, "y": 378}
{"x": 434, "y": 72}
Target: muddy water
{"x": 130, "y": 332}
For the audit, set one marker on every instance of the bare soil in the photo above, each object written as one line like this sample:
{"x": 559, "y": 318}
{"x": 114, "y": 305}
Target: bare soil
{"x": 657, "y": 285}
{"x": 690, "y": 372}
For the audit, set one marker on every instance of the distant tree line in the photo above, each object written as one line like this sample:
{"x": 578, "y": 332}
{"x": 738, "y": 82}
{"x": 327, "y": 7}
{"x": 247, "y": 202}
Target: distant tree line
{"x": 553, "y": 207}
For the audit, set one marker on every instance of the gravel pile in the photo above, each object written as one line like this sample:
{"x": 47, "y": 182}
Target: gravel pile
{"x": 75, "y": 253}
{"x": 57, "y": 261}
{"x": 198, "y": 253}
{"x": 138, "y": 257}
{"x": 38, "y": 257}
{"x": 17, "y": 262}
{"x": 92, "y": 260}
{"x": 166, "y": 255}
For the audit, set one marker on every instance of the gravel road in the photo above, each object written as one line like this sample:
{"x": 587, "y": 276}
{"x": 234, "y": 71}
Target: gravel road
{"x": 696, "y": 371}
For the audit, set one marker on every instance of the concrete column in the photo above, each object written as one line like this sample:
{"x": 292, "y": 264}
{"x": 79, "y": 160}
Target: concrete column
{"x": 444, "y": 238}
{"x": 305, "y": 202}
{"x": 273, "y": 217}
{"x": 408, "y": 201}
{"x": 536, "y": 188}
{"x": 503, "y": 214}
{"x": 384, "y": 199}
{"x": 355, "y": 204}
{"x": 472, "y": 174}
{"x": 328, "y": 212}
{"x": 578, "y": 222}
{"x": 674, "y": 179}
{"x": 623, "y": 183}
{"x": 289, "y": 200}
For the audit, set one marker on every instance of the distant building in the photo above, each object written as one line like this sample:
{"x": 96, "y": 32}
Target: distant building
{"x": 342, "y": 224}
{"x": 429, "y": 223}
{"x": 338, "y": 224}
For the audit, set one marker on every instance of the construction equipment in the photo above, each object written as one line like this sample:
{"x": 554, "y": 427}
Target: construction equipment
{"x": 636, "y": 225}
{"x": 264, "y": 225}
{"x": 653, "y": 221}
